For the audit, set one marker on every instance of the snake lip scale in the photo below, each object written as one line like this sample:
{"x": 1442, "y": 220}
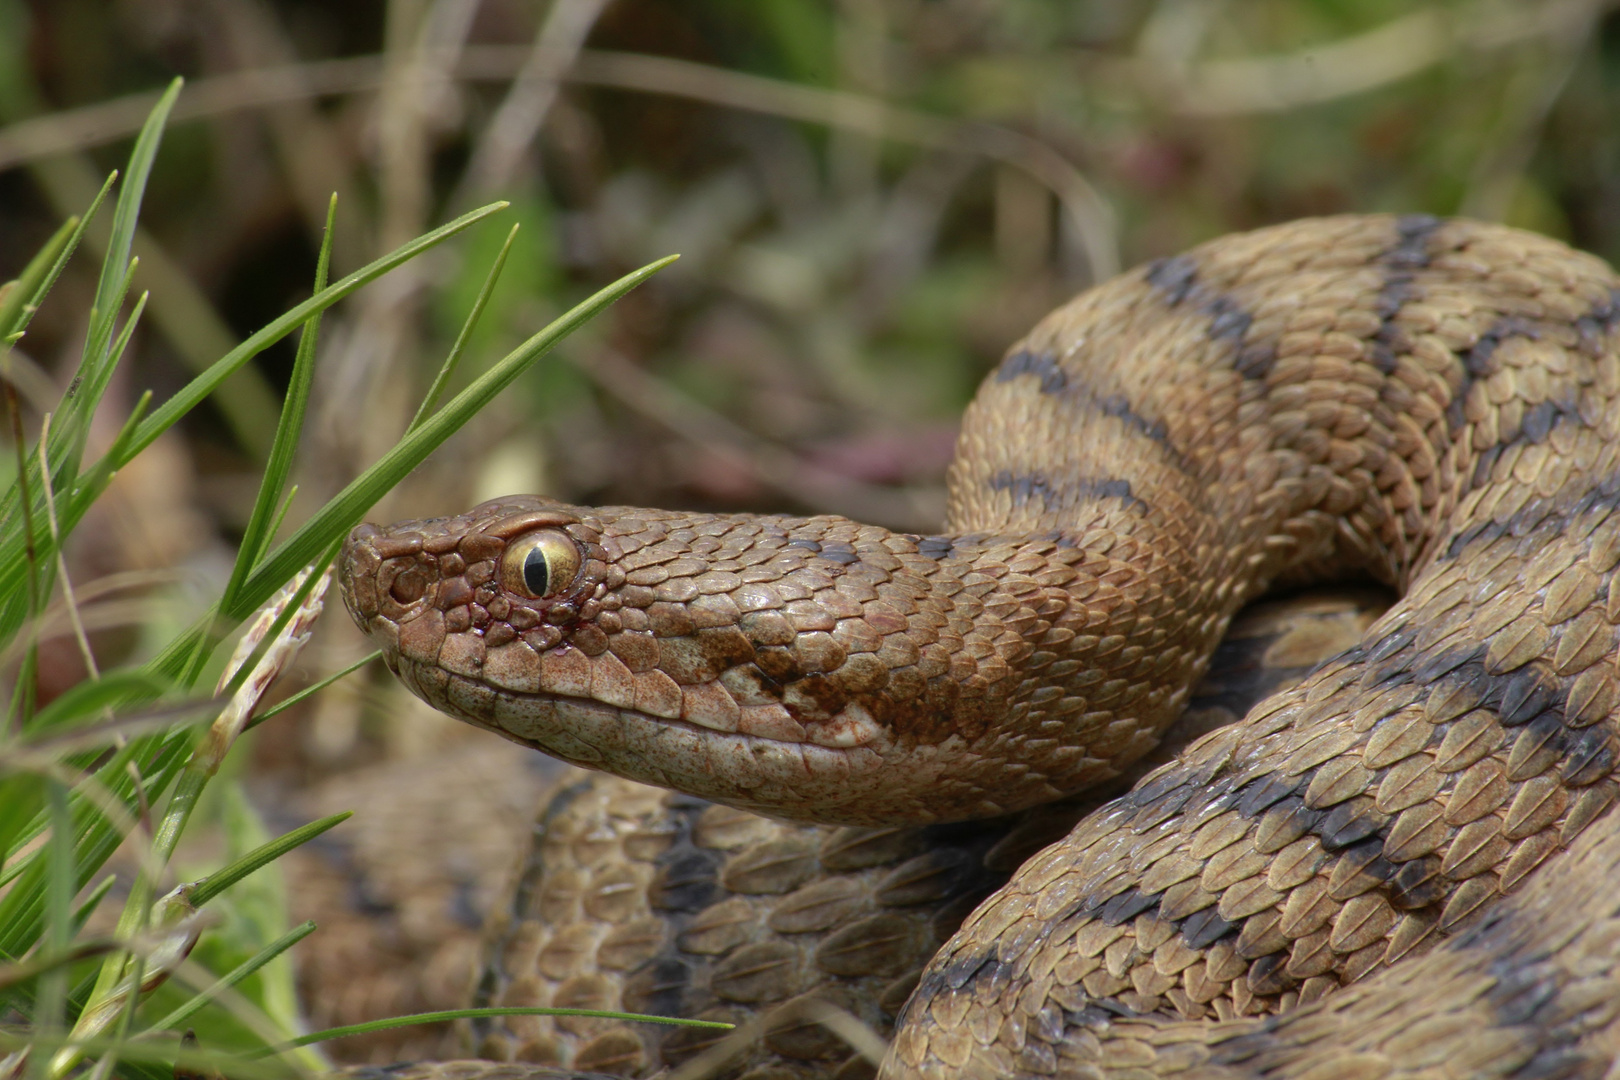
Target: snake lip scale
{"x": 1434, "y": 403}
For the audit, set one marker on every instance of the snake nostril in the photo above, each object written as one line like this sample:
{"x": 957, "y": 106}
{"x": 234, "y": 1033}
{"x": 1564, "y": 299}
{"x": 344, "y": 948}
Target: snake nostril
{"x": 408, "y": 587}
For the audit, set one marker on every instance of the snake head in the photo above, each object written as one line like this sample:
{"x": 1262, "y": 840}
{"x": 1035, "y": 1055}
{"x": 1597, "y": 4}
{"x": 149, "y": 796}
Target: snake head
{"x": 597, "y": 636}
{"x": 811, "y": 668}
{"x": 522, "y": 568}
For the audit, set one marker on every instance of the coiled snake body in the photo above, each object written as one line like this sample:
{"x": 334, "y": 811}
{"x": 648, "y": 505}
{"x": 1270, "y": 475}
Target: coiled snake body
{"x": 1429, "y": 402}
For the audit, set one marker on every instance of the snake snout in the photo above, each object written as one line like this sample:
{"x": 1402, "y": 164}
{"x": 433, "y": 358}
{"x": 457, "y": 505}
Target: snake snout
{"x": 390, "y": 576}
{"x": 356, "y": 572}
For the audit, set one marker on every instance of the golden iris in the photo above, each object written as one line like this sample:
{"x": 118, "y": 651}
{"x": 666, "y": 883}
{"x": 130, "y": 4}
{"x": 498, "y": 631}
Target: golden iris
{"x": 540, "y": 564}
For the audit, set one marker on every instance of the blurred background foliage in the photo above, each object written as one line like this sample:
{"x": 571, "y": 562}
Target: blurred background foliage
{"x": 872, "y": 199}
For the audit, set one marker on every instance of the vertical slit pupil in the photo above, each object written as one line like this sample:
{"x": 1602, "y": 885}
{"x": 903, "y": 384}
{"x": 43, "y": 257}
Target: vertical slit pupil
{"x": 536, "y": 574}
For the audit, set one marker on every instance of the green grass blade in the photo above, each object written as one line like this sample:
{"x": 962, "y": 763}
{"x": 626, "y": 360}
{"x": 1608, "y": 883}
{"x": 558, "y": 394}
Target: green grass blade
{"x": 94, "y": 831}
{"x": 75, "y": 504}
{"x": 87, "y": 908}
{"x": 223, "y": 878}
{"x": 152, "y": 734}
{"x": 79, "y": 747}
{"x": 95, "y": 479}
{"x": 23, "y": 295}
{"x": 84, "y": 221}
{"x": 21, "y": 798}
{"x": 86, "y": 701}
{"x": 333, "y": 521}
{"x": 116, "y": 353}
{"x": 288, "y": 429}
{"x": 160, "y": 1057}
{"x": 95, "y": 837}
{"x": 38, "y": 540}
{"x": 200, "y": 387}
{"x": 90, "y": 381}
{"x": 50, "y": 1014}
{"x": 96, "y": 364}
{"x": 126, "y": 213}
{"x": 430, "y": 400}
{"x": 20, "y": 303}
{"x": 89, "y": 486}
{"x": 17, "y": 310}
{"x": 30, "y": 825}
{"x": 40, "y": 963}
{"x": 310, "y": 691}
{"x": 193, "y": 779}
{"x": 275, "y": 525}
{"x": 234, "y": 976}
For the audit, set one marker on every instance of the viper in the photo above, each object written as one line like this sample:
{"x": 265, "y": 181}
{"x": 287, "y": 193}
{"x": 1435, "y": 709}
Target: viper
{"x": 1399, "y": 865}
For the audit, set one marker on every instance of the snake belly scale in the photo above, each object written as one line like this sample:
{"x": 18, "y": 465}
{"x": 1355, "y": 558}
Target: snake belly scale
{"x": 1429, "y": 402}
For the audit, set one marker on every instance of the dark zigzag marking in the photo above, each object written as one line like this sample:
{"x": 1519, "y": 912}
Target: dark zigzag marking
{"x": 1540, "y": 520}
{"x": 1529, "y": 702}
{"x": 1177, "y": 279}
{"x": 1043, "y": 365}
{"x": 1540, "y": 421}
{"x": 1055, "y": 380}
{"x": 1413, "y": 884}
{"x": 1528, "y": 989}
{"x": 1027, "y": 487}
{"x": 1411, "y": 251}
{"x": 686, "y": 881}
{"x": 1597, "y": 324}
{"x": 1527, "y": 699}
{"x": 1117, "y": 405}
{"x": 1479, "y": 360}
{"x": 1410, "y": 254}
{"x": 1175, "y": 276}
{"x": 530, "y": 880}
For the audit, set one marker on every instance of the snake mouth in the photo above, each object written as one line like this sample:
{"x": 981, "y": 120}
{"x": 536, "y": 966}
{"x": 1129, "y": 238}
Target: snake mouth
{"x": 795, "y": 780}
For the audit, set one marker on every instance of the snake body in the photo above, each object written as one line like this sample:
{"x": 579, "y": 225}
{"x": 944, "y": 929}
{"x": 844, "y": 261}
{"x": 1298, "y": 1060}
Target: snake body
{"x": 1429, "y": 402}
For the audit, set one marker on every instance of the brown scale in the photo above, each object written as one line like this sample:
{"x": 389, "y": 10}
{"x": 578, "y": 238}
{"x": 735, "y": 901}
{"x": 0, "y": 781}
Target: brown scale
{"x": 1432, "y": 402}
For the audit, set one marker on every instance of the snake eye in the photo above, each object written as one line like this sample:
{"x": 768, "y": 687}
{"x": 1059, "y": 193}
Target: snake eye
{"x": 540, "y": 564}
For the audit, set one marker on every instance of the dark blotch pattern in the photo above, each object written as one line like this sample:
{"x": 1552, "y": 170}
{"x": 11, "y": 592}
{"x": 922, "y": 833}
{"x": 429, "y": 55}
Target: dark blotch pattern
{"x": 1410, "y": 253}
{"x": 1118, "y": 405}
{"x": 1031, "y": 487}
{"x": 1042, "y": 365}
{"x": 1230, "y": 324}
{"x": 1176, "y": 279}
{"x": 1538, "y": 522}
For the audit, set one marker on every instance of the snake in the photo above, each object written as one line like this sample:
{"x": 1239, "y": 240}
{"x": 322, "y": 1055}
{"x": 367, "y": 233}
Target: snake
{"x": 1398, "y": 866}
